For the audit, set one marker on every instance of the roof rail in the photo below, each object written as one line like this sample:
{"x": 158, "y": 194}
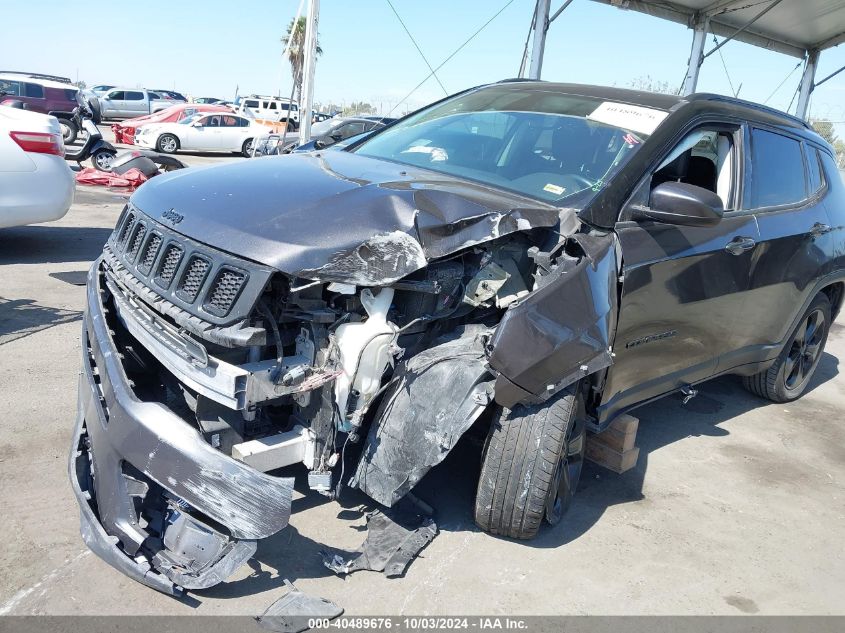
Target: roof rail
{"x": 515, "y": 79}
{"x": 751, "y": 104}
{"x": 63, "y": 80}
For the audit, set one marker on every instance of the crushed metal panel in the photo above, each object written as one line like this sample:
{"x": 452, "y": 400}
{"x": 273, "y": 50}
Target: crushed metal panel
{"x": 563, "y": 330}
{"x": 394, "y": 538}
{"x": 436, "y": 396}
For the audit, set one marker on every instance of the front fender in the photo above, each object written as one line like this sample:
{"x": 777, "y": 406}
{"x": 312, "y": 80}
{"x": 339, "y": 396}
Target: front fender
{"x": 436, "y": 396}
{"x": 563, "y": 330}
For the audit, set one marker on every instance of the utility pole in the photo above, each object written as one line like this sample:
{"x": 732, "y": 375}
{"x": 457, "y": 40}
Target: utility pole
{"x": 310, "y": 66}
{"x": 538, "y": 39}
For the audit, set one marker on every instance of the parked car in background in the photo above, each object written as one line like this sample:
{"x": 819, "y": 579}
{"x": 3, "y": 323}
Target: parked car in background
{"x": 212, "y": 100}
{"x": 101, "y": 89}
{"x": 327, "y": 133}
{"x": 36, "y": 184}
{"x": 203, "y": 132}
{"x": 37, "y": 92}
{"x": 275, "y": 109}
{"x": 124, "y": 131}
{"x": 124, "y": 103}
{"x": 171, "y": 95}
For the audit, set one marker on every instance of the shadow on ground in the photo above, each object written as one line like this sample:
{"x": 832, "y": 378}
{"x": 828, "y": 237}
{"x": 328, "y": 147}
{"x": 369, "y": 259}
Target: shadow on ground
{"x": 51, "y": 244}
{"x": 23, "y": 317}
{"x": 450, "y": 488}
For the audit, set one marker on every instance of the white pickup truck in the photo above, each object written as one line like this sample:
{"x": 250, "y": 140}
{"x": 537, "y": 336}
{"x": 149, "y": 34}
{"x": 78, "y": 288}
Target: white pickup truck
{"x": 125, "y": 103}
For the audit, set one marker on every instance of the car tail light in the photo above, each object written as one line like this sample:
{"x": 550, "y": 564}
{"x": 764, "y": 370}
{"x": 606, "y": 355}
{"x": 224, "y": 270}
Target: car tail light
{"x": 39, "y": 142}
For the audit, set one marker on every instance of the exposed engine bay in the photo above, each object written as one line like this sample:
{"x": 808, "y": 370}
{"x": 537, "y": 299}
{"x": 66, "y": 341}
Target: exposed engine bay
{"x": 327, "y": 352}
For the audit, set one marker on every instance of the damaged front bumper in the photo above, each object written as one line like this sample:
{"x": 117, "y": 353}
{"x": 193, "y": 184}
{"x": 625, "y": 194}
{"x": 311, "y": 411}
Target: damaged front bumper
{"x": 156, "y": 501}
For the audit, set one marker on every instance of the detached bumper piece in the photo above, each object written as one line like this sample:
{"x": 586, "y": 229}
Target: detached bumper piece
{"x": 156, "y": 501}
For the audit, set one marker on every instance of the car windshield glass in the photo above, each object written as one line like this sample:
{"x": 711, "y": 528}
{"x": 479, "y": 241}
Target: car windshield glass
{"x": 539, "y": 143}
{"x": 323, "y": 127}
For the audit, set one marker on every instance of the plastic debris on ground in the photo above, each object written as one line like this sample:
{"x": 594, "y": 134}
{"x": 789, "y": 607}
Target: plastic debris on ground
{"x": 394, "y": 538}
{"x": 292, "y": 612}
{"x": 133, "y": 178}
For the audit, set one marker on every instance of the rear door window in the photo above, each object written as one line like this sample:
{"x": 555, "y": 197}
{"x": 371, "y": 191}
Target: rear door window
{"x": 777, "y": 170}
{"x": 134, "y": 96}
{"x": 814, "y": 169}
{"x": 33, "y": 90}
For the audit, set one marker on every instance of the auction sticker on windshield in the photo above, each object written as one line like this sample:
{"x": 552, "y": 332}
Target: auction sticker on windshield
{"x": 628, "y": 117}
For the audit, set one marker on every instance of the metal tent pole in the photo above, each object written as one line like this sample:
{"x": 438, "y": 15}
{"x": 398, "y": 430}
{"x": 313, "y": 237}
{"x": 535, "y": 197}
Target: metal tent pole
{"x": 310, "y": 64}
{"x": 696, "y": 56}
{"x": 806, "y": 87}
{"x": 538, "y": 44}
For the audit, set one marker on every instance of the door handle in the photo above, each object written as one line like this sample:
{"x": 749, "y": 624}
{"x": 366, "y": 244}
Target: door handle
{"x": 739, "y": 244}
{"x": 819, "y": 228}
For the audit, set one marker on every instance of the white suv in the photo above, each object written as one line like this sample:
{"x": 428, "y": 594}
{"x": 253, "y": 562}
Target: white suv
{"x": 274, "y": 109}
{"x": 36, "y": 184}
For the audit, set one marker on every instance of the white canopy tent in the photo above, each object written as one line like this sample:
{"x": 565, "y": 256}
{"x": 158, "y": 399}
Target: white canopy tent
{"x": 800, "y": 28}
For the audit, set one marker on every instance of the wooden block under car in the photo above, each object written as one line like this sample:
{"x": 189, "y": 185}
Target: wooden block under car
{"x": 614, "y": 447}
{"x": 621, "y": 435}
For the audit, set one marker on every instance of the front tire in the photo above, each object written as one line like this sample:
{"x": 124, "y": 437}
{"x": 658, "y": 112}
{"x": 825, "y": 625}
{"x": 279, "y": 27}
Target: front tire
{"x": 531, "y": 466}
{"x": 167, "y": 144}
{"x": 103, "y": 159}
{"x": 787, "y": 379}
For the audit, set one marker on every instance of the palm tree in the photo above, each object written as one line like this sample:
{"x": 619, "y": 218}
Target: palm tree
{"x": 296, "y": 52}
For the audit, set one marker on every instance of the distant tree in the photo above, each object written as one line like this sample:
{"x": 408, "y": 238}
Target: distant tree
{"x": 826, "y": 130}
{"x": 649, "y": 84}
{"x": 80, "y": 84}
{"x": 358, "y": 107}
{"x": 294, "y": 40}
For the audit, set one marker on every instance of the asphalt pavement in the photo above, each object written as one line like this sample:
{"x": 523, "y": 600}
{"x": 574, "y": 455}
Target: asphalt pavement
{"x": 736, "y": 505}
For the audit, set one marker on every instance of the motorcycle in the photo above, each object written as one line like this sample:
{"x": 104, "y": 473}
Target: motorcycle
{"x": 101, "y": 153}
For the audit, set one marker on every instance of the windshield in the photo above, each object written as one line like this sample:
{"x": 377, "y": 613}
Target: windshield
{"x": 539, "y": 143}
{"x": 324, "y": 127}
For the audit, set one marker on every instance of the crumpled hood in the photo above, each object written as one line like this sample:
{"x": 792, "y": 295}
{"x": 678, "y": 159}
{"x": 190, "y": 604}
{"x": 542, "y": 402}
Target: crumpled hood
{"x": 337, "y": 216}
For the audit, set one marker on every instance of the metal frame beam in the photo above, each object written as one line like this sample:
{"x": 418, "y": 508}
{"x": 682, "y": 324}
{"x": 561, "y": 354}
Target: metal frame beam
{"x": 538, "y": 43}
{"x": 743, "y": 28}
{"x": 805, "y": 89}
{"x": 696, "y": 56}
{"x": 668, "y": 10}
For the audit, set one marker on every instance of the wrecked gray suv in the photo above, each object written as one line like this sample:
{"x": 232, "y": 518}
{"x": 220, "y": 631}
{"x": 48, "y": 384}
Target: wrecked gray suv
{"x": 528, "y": 258}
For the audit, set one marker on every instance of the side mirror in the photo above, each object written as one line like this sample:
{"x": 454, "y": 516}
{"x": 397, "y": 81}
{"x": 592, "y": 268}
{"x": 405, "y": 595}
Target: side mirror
{"x": 682, "y": 204}
{"x": 337, "y": 137}
{"x": 319, "y": 144}
{"x": 196, "y": 124}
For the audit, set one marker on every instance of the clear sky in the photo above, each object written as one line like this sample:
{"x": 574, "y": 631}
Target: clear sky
{"x": 208, "y": 48}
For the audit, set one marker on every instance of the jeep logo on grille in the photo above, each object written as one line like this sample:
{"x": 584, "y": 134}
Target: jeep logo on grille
{"x": 172, "y": 217}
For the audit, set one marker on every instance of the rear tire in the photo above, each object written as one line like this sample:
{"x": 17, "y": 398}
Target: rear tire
{"x": 788, "y": 377}
{"x": 531, "y": 466}
{"x": 69, "y": 130}
{"x": 246, "y": 148}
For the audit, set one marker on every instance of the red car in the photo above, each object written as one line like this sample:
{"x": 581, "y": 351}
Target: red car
{"x": 124, "y": 131}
